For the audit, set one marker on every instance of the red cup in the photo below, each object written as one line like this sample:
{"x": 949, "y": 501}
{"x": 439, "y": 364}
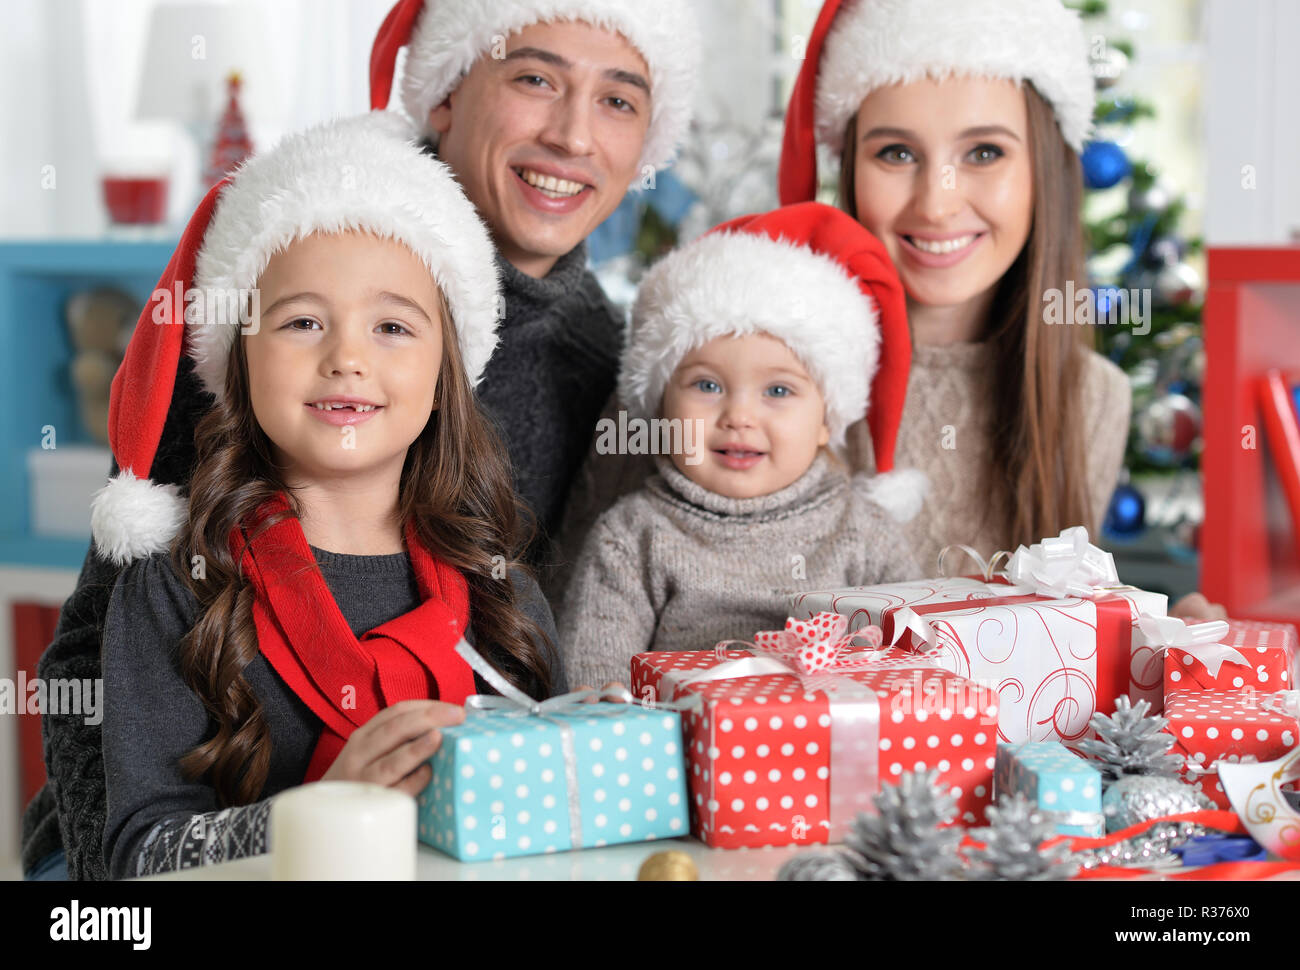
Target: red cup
{"x": 136, "y": 200}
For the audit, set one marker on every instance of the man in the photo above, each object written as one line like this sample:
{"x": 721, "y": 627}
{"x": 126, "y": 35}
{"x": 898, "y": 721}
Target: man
{"x": 547, "y": 111}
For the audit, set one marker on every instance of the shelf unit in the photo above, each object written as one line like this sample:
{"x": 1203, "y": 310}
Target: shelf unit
{"x": 1250, "y": 561}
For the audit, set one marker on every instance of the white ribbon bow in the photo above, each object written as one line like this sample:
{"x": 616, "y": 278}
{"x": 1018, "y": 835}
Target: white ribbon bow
{"x": 1068, "y": 565}
{"x": 1200, "y": 640}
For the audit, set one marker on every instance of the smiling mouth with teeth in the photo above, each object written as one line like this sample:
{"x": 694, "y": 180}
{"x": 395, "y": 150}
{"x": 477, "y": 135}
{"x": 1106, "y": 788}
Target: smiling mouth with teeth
{"x": 359, "y": 408}
{"x": 941, "y": 246}
{"x": 549, "y": 185}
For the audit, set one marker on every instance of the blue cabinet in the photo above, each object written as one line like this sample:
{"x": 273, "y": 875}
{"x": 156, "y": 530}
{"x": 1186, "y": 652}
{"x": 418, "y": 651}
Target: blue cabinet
{"x": 36, "y": 280}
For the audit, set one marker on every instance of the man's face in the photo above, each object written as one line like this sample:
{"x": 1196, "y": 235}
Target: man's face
{"x": 546, "y": 139}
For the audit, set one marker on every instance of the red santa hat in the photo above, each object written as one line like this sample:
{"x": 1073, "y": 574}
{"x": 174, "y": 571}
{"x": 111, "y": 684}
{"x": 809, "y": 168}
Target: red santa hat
{"x": 811, "y": 276}
{"x": 858, "y": 46}
{"x": 444, "y": 38}
{"x": 360, "y": 174}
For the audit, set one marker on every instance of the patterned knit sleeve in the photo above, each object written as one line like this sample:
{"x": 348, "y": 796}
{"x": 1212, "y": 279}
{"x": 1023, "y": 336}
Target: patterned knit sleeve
{"x": 159, "y": 819}
{"x": 607, "y": 616}
{"x": 1108, "y": 402}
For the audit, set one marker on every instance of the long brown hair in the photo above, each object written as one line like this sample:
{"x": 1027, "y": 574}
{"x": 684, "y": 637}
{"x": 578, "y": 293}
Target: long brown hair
{"x": 455, "y": 487}
{"x": 1038, "y": 439}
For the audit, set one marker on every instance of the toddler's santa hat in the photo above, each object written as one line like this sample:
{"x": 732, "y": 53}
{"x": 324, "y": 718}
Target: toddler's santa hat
{"x": 360, "y": 174}
{"x": 811, "y": 276}
{"x": 444, "y": 38}
{"x": 858, "y": 46}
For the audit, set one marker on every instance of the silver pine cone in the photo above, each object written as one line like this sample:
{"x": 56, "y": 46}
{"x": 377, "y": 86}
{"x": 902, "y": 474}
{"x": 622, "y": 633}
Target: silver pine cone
{"x": 1013, "y": 844}
{"x": 905, "y": 841}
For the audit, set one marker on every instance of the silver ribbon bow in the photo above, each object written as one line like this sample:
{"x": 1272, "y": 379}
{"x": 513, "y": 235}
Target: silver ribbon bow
{"x": 1068, "y": 565}
{"x": 1200, "y": 640}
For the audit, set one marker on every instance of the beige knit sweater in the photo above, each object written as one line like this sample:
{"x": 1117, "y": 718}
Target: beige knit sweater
{"x": 949, "y": 395}
{"x": 674, "y": 566}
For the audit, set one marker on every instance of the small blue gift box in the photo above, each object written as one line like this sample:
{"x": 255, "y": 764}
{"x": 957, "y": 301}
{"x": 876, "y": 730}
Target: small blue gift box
{"x": 1059, "y": 782}
{"x": 506, "y": 784}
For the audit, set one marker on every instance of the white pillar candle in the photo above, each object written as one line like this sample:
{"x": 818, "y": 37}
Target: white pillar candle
{"x": 343, "y": 830}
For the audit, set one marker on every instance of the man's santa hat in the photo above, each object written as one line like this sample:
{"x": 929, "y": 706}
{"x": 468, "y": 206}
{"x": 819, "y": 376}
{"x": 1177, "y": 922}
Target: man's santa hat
{"x": 858, "y": 46}
{"x": 361, "y": 174}
{"x": 444, "y": 38}
{"x": 814, "y": 278}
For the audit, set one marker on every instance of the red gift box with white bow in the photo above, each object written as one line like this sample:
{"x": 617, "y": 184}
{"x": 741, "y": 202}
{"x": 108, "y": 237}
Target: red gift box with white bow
{"x": 1260, "y": 656}
{"x": 1057, "y": 637}
{"x": 787, "y": 742}
{"x": 1213, "y": 726}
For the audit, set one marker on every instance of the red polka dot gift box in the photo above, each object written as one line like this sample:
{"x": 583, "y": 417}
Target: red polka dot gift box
{"x": 785, "y": 758}
{"x": 1214, "y": 726}
{"x": 1261, "y": 656}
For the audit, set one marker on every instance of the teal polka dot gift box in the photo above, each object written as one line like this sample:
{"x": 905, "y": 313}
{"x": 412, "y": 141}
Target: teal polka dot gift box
{"x": 1063, "y": 785}
{"x": 510, "y": 785}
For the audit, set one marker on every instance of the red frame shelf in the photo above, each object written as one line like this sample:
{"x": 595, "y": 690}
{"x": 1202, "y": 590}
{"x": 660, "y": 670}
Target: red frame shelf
{"x": 1250, "y": 558}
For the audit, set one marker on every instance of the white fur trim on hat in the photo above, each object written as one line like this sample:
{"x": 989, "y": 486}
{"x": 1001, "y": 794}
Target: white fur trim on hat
{"x": 364, "y": 173}
{"x": 134, "y": 517}
{"x": 878, "y": 43}
{"x": 740, "y": 283}
{"x": 901, "y": 492}
{"x": 453, "y": 34}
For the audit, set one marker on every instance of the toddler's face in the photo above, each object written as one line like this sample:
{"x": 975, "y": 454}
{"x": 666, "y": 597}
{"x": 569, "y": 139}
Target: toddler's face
{"x": 762, "y": 415}
{"x": 344, "y": 315}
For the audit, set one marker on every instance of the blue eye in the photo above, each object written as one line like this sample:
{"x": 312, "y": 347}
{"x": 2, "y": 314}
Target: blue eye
{"x": 707, "y": 386}
{"x": 780, "y": 390}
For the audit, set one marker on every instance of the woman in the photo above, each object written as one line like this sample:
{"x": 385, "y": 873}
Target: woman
{"x": 959, "y": 129}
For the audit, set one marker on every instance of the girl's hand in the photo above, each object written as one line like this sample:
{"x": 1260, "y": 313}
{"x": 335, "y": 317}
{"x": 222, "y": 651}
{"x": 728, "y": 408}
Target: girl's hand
{"x": 1193, "y": 608}
{"x": 596, "y": 698}
{"x": 393, "y": 748}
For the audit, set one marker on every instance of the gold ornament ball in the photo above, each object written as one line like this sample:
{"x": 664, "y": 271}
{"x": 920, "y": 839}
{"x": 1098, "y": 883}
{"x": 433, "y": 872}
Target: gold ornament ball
{"x": 670, "y": 866}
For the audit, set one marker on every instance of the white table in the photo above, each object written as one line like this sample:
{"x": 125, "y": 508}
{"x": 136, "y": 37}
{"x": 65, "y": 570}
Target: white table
{"x": 611, "y": 863}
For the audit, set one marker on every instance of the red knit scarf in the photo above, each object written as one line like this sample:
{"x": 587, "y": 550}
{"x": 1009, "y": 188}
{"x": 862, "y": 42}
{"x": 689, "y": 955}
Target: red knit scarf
{"x": 344, "y": 680}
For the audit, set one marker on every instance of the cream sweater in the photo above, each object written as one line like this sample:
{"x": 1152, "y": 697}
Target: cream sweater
{"x": 674, "y": 566}
{"x": 948, "y": 387}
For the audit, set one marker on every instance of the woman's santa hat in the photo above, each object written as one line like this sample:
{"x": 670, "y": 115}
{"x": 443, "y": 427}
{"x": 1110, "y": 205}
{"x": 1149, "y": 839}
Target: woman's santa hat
{"x": 444, "y": 38}
{"x": 814, "y": 278}
{"x": 858, "y": 46}
{"x": 360, "y": 174}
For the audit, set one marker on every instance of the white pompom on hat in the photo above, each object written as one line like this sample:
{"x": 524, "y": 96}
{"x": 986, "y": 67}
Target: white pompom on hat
{"x": 814, "y": 278}
{"x": 364, "y": 173}
{"x": 858, "y": 46}
{"x": 444, "y": 38}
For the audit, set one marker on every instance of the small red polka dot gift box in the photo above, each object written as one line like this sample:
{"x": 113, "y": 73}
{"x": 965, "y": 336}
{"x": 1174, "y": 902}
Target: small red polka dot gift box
{"x": 1213, "y": 726}
{"x": 1057, "y": 636}
{"x": 1249, "y": 654}
{"x": 776, "y": 756}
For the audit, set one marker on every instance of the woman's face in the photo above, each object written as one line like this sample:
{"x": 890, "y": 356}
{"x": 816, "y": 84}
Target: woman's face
{"x": 943, "y": 177}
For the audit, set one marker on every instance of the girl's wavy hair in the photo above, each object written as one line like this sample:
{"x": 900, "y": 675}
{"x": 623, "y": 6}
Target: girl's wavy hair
{"x": 456, "y": 487}
{"x": 1037, "y": 423}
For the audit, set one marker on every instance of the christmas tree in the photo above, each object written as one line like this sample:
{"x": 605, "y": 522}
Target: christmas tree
{"x": 232, "y": 144}
{"x": 1147, "y": 295}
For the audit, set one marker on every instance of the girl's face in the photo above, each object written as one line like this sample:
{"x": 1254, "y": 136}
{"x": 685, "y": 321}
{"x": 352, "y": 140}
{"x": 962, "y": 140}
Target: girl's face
{"x": 344, "y": 316}
{"x": 761, "y": 417}
{"x": 943, "y": 177}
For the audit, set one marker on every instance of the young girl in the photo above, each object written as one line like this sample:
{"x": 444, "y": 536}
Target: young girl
{"x": 959, "y": 130}
{"x": 758, "y": 345}
{"x": 350, "y": 514}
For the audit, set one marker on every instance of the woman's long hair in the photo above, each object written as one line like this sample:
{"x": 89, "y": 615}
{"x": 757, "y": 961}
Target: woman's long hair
{"x": 1038, "y": 465}
{"x": 456, "y": 488}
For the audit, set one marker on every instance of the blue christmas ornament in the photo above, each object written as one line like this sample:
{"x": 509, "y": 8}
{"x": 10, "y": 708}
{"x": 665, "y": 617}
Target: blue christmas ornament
{"x": 1126, "y": 516}
{"x": 1104, "y": 164}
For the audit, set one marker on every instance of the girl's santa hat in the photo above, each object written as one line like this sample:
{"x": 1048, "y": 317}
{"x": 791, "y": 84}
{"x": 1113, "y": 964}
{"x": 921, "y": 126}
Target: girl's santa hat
{"x": 858, "y": 46}
{"x": 444, "y": 38}
{"x": 360, "y": 174}
{"x": 811, "y": 276}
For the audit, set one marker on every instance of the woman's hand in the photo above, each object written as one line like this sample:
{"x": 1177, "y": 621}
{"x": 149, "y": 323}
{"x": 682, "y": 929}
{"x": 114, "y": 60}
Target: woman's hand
{"x": 596, "y": 698}
{"x": 393, "y": 748}
{"x": 1193, "y": 608}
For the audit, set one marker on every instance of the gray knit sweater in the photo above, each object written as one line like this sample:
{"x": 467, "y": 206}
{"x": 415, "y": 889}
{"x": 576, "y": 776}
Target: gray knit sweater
{"x": 674, "y": 566}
